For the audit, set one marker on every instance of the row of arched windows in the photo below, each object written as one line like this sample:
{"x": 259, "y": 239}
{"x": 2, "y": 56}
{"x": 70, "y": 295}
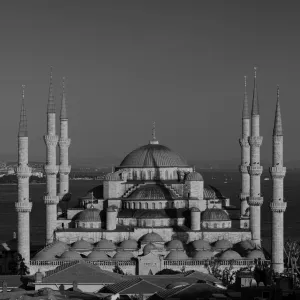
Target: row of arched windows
{"x": 153, "y": 205}
{"x": 153, "y": 175}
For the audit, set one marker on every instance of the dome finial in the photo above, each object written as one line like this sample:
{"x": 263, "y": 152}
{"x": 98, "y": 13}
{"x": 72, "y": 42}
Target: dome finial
{"x": 154, "y": 140}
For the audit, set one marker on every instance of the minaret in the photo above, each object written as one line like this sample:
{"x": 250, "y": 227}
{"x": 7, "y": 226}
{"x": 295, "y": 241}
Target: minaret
{"x": 64, "y": 143}
{"x": 255, "y": 169}
{"x": 51, "y": 169}
{"x": 23, "y": 171}
{"x": 245, "y": 155}
{"x": 277, "y": 205}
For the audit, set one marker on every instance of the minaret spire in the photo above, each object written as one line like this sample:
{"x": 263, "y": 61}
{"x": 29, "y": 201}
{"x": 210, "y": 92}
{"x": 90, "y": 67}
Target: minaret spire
{"x": 23, "y": 118}
{"x": 51, "y": 104}
{"x": 246, "y": 114}
{"x": 255, "y": 104}
{"x": 277, "y": 123}
{"x": 63, "y": 111}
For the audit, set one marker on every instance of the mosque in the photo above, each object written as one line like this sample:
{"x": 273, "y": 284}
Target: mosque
{"x": 153, "y": 212}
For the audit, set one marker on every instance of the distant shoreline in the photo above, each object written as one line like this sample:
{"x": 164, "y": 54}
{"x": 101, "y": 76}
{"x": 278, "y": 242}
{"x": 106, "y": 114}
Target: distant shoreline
{"x": 31, "y": 183}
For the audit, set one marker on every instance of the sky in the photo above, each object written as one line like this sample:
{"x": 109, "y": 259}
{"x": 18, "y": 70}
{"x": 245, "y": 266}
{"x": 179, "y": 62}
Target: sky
{"x": 129, "y": 63}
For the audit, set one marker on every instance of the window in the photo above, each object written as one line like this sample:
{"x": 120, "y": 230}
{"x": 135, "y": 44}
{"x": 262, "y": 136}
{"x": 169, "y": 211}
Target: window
{"x": 215, "y": 225}
{"x": 153, "y": 223}
{"x": 146, "y": 206}
{"x": 133, "y": 205}
{"x": 140, "y": 205}
{"x": 166, "y": 174}
{"x": 223, "y": 225}
{"x": 149, "y": 175}
{"x": 160, "y": 205}
{"x": 153, "y": 205}
{"x": 173, "y": 204}
{"x": 245, "y": 225}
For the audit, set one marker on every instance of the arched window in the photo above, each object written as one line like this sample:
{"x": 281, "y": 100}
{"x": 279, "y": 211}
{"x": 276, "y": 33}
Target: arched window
{"x": 161, "y": 222}
{"x": 128, "y": 205}
{"x": 149, "y": 175}
{"x": 173, "y": 204}
{"x": 153, "y": 205}
{"x": 153, "y": 223}
{"x": 92, "y": 225}
{"x": 83, "y": 225}
{"x": 144, "y": 223}
{"x": 160, "y": 205}
{"x": 166, "y": 175}
{"x": 223, "y": 225}
{"x": 146, "y": 206}
{"x": 245, "y": 225}
{"x": 133, "y": 205}
{"x": 140, "y": 205}
{"x": 215, "y": 225}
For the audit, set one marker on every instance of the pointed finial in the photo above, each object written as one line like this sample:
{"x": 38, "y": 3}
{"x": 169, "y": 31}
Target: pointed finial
{"x": 194, "y": 168}
{"x": 51, "y": 104}
{"x": 154, "y": 140}
{"x": 23, "y": 119}
{"x": 278, "y": 122}
{"x": 245, "y": 114}
{"x": 63, "y": 111}
{"x": 255, "y": 104}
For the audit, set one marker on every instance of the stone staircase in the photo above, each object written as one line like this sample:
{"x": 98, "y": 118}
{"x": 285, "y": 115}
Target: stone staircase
{"x": 172, "y": 190}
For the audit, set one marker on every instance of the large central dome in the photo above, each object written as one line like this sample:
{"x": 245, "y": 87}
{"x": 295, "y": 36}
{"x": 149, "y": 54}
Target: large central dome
{"x": 153, "y": 156}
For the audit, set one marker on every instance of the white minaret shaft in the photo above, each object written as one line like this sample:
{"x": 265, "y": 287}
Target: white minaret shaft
{"x": 51, "y": 169}
{"x": 23, "y": 171}
{"x": 277, "y": 205}
{"x": 255, "y": 170}
{"x": 245, "y": 153}
{"x": 64, "y": 143}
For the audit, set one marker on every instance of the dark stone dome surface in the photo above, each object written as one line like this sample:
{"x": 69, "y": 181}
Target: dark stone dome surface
{"x": 151, "y": 192}
{"x": 151, "y": 237}
{"x": 154, "y": 156}
{"x": 194, "y": 176}
{"x": 215, "y": 214}
{"x": 89, "y": 215}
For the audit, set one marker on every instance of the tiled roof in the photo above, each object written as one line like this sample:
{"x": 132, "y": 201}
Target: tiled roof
{"x": 134, "y": 286}
{"x": 82, "y": 273}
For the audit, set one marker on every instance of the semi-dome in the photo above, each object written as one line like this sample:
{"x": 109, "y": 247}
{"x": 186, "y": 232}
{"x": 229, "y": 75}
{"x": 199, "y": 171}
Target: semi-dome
{"x": 148, "y": 248}
{"x": 113, "y": 177}
{"x": 194, "y": 176}
{"x": 195, "y": 209}
{"x": 256, "y": 254}
{"x": 246, "y": 245}
{"x": 44, "y": 255}
{"x": 215, "y": 214}
{"x": 176, "y": 255}
{"x": 203, "y": 254}
{"x": 151, "y": 192}
{"x": 58, "y": 247}
{"x": 105, "y": 245}
{"x": 153, "y": 156}
{"x": 151, "y": 237}
{"x": 129, "y": 244}
{"x": 89, "y": 215}
{"x": 97, "y": 255}
{"x": 201, "y": 245}
{"x": 82, "y": 245}
{"x": 123, "y": 256}
{"x": 71, "y": 255}
{"x": 151, "y": 214}
{"x": 175, "y": 245}
{"x": 229, "y": 255}
{"x": 223, "y": 245}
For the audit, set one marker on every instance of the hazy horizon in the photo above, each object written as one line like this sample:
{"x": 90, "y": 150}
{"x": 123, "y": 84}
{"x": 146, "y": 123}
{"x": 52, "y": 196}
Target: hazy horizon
{"x": 129, "y": 63}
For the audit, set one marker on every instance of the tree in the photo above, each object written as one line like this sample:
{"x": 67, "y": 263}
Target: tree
{"x": 167, "y": 272}
{"x": 118, "y": 270}
{"x": 17, "y": 265}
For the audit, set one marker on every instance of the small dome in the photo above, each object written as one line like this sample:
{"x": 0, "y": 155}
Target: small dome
{"x": 223, "y": 245}
{"x": 255, "y": 254}
{"x": 215, "y": 214}
{"x": 111, "y": 209}
{"x": 123, "y": 256}
{"x": 105, "y": 245}
{"x": 151, "y": 192}
{"x": 97, "y": 255}
{"x": 195, "y": 209}
{"x": 202, "y": 255}
{"x": 201, "y": 245}
{"x": 153, "y": 156}
{"x": 44, "y": 255}
{"x": 129, "y": 244}
{"x": 229, "y": 255}
{"x": 194, "y": 176}
{"x": 175, "y": 245}
{"x": 58, "y": 247}
{"x": 246, "y": 245}
{"x": 176, "y": 255}
{"x": 151, "y": 237}
{"x": 89, "y": 215}
{"x": 148, "y": 248}
{"x": 82, "y": 245}
{"x": 113, "y": 177}
{"x": 71, "y": 255}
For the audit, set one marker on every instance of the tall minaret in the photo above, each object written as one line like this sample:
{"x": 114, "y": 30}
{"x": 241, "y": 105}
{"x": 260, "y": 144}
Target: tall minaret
{"x": 51, "y": 169}
{"x": 277, "y": 205}
{"x": 255, "y": 169}
{"x": 64, "y": 143}
{"x": 23, "y": 171}
{"x": 245, "y": 157}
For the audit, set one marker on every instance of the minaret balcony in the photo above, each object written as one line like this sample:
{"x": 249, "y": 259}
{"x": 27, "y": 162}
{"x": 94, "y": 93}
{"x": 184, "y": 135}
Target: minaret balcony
{"x": 244, "y": 143}
{"x": 277, "y": 172}
{"x": 243, "y": 169}
{"x": 65, "y": 170}
{"x": 255, "y": 201}
{"x": 51, "y": 200}
{"x": 255, "y": 170}
{"x": 244, "y": 196}
{"x": 277, "y": 139}
{"x": 255, "y": 141}
{"x": 51, "y": 140}
{"x": 64, "y": 142}
{"x": 23, "y": 171}
{"x": 51, "y": 170}
{"x": 278, "y": 207}
{"x": 23, "y": 206}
